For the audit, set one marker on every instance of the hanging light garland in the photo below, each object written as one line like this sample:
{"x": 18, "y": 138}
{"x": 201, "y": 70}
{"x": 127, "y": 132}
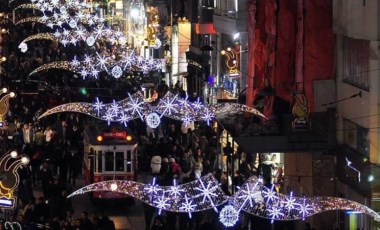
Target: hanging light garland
{"x": 92, "y": 65}
{"x": 205, "y": 193}
{"x": 78, "y": 34}
{"x": 60, "y": 19}
{"x": 27, "y": 6}
{"x": 55, "y": 14}
{"x": 55, "y": 5}
{"x": 171, "y": 106}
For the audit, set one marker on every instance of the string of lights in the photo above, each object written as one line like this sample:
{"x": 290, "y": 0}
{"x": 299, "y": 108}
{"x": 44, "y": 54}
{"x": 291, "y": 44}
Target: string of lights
{"x": 171, "y": 106}
{"x": 79, "y": 33}
{"x": 92, "y": 65}
{"x": 205, "y": 193}
{"x": 60, "y": 19}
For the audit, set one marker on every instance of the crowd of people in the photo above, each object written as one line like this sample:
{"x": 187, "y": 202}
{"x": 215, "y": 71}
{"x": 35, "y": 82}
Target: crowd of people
{"x": 55, "y": 148}
{"x": 54, "y": 145}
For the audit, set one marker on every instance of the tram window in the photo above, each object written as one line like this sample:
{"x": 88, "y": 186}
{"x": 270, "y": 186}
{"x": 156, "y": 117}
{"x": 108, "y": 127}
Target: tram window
{"x": 108, "y": 161}
{"x": 99, "y": 162}
{"x": 129, "y": 161}
{"x": 119, "y": 161}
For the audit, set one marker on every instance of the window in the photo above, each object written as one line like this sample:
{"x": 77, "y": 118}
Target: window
{"x": 119, "y": 161}
{"x": 108, "y": 161}
{"x": 129, "y": 161}
{"x": 208, "y": 3}
{"x": 356, "y": 62}
{"x": 356, "y": 136}
{"x": 99, "y": 166}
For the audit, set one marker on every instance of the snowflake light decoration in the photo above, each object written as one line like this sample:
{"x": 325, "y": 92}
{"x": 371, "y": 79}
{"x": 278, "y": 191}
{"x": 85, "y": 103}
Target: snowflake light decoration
{"x": 207, "y": 192}
{"x": 124, "y": 118}
{"x": 305, "y": 209}
{"x": 101, "y": 63}
{"x": 162, "y": 203}
{"x": 117, "y": 72}
{"x": 249, "y": 194}
{"x": 169, "y": 105}
{"x": 153, "y": 188}
{"x": 153, "y": 120}
{"x": 275, "y": 212}
{"x": 136, "y": 106}
{"x": 175, "y": 191}
{"x": 270, "y": 195}
{"x": 229, "y": 216}
{"x": 290, "y": 202}
{"x": 187, "y": 120}
{"x": 98, "y": 105}
{"x": 208, "y": 116}
{"x": 194, "y": 199}
{"x": 187, "y": 206}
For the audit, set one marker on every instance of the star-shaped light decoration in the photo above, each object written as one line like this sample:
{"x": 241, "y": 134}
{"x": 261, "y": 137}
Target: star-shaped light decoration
{"x": 187, "y": 206}
{"x": 135, "y": 106}
{"x": 269, "y": 194}
{"x": 207, "y": 192}
{"x": 305, "y": 209}
{"x": 275, "y": 212}
{"x": 162, "y": 203}
{"x": 191, "y": 200}
{"x": 98, "y": 105}
{"x": 91, "y": 62}
{"x": 124, "y": 118}
{"x": 249, "y": 194}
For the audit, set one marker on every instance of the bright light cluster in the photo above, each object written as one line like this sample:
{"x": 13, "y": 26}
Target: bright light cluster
{"x": 60, "y": 19}
{"x": 51, "y": 5}
{"x": 134, "y": 107}
{"x": 205, "y": 193}
{"x": 92, "y": 65}
{"x": 74, "y": 36}
{"x": 185, "y": 198}
{"x": 75, "y": 14}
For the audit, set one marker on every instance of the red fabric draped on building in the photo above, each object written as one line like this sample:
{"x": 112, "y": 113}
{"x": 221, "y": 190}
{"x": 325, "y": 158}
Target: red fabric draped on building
{"x": 290, "y": 44}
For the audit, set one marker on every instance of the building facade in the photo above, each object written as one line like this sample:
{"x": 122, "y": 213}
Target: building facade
{"x": 357, "y": 29}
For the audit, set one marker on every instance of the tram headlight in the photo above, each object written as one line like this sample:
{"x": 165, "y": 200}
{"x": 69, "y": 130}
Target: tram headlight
{"x": 99, "y": 138}
{"x": 128, "y": 138}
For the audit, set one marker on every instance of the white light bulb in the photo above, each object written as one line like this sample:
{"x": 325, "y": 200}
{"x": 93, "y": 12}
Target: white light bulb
{"x": 14, "y": 154}
{"x": 24, "y": 160}
{"x": 23, "y": 47}
{"x": 113, "y": 186}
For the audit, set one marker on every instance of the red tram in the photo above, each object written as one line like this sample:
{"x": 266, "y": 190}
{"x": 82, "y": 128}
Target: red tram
{"x": 109, "y": 154}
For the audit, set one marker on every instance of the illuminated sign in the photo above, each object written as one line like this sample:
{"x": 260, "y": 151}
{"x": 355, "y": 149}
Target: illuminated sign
{"x": 232, "y": 61}
{"x": 7, "y": 203}
{"x": 110, "y": 135}
{"x": 9, "y": 178}
{"x": 300, "y": 112}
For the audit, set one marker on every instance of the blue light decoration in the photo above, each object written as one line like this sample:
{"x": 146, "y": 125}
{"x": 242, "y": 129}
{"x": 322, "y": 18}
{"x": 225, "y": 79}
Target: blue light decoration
{"x": 210, "y": 80}
{"x": 135, "y": 106}
{"x": 7, "y": 203}
{"x": 229, "y": 216}
{"x": 93, "y": 64}
{"x": 205, "y": 193}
